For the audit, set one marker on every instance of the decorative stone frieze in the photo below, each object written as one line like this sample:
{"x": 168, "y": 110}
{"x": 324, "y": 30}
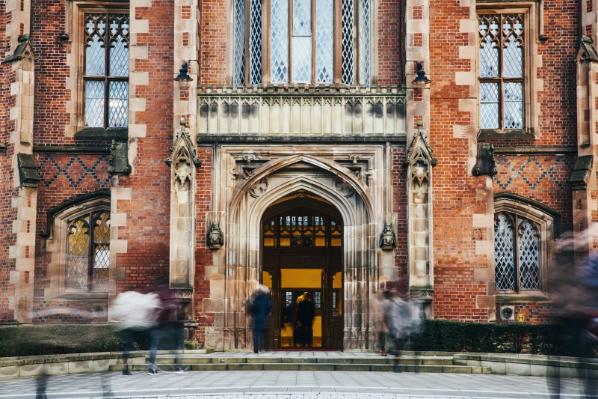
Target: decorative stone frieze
{"x": 301, "y": 111}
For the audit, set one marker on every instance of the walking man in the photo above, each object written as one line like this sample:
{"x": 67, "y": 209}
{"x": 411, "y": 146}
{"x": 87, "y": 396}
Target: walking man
{"x": 259, "y": 308}
{"x": 305, "y": 318}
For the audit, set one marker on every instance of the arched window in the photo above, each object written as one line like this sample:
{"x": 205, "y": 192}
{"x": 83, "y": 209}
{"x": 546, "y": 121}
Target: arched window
{"x": 517, "y": 253}
{"x": 300, "y": 230}
{"x": 88, "y": 250}
{"x": 318, "y": 42}
{"x": 522, "y": 236}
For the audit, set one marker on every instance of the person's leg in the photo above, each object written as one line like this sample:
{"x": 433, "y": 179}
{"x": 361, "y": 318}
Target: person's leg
{"x": 154, "y": 336}
{"x": 261, "y": 339}
{"x": 584, "y": 351}
{"x": 127, "y": 344}
{"x": 180, "y": 342}
{"x": 397, "y": 343}
{"x": 298, "y": 334}
{"x": 256, "y": 340}
{"x": 41, "y": 386}
{"x": 381, "y": 342}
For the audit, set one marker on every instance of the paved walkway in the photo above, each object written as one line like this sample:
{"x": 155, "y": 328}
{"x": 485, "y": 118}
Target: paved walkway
{"x": 287, "y": 385}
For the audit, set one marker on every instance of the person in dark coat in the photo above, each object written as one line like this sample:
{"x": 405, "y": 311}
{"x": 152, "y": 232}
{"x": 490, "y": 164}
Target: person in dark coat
{"x": 260, "y": 307}
{"x": 305, "y": 317}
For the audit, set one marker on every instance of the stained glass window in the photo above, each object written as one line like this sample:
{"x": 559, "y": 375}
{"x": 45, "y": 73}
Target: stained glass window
{"x": 517, "y": 253}
{"x": 502, "y": 74}
{"x": 88, "y": 251}
{"x": 302, "y": 231}
{"x": 302, "y": 44}
{"x": 106, "y": 70}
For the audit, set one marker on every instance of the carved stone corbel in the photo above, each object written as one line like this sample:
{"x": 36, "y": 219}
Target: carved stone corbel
{"x": 485, "y": 165}
{"x": 388, "y": 240}
{"x": 214, "y": 236}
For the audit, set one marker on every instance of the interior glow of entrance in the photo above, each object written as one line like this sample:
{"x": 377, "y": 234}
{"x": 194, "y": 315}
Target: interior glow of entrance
{"x": 302, "y": 253}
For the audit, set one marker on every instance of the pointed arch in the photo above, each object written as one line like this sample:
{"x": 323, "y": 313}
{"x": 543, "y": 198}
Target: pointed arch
{"x": 326, "y": 165}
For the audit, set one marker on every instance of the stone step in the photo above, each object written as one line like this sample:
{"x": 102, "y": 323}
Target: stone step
{"x": 431, "y": 360}
{"x": 320, "y": 367}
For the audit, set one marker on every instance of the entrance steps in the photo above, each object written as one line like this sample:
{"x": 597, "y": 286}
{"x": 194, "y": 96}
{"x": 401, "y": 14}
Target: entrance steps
{"x": 316, "y": 361}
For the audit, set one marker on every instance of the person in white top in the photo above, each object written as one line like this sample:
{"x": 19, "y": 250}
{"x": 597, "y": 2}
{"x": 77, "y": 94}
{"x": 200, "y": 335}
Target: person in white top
{"x": 134, "y": 314}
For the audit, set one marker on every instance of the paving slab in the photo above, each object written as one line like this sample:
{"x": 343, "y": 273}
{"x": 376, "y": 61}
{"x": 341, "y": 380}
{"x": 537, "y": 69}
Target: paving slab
{"x": 292, "y": 384}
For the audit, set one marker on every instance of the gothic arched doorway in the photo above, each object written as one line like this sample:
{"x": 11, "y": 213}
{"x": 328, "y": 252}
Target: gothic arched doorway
{"x": 302, "y": 250}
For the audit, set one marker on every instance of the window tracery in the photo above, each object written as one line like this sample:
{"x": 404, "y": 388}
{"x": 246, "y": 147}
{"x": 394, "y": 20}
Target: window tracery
{"x": 518, "y": 253}
{"x": 302, "y": 231}
{"x": 88, "y": 251}
{"x": 106, "y": 69}
{"x": 307, "y": 41}
{"x": 502, "y": 74}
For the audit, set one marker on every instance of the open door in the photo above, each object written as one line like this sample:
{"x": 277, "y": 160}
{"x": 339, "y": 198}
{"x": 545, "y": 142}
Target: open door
{"x": 302, "y": 257}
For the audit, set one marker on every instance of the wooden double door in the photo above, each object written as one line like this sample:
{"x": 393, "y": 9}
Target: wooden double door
{"x": 302, "y": 253}
{"x": 291, "y": 275}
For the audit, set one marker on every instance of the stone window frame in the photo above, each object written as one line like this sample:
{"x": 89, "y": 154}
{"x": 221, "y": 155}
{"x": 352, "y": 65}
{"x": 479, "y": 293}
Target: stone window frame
{"x": 533, "y": 35}
{"x": 337, "y": 47}
{"x": 75, "y": 29}
{"x": 546, "y": 221}
{"x": 57, "y": 240}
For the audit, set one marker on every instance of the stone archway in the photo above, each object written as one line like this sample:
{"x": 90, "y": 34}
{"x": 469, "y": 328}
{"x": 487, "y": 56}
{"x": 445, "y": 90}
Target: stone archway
{"x": 247, "y": 184}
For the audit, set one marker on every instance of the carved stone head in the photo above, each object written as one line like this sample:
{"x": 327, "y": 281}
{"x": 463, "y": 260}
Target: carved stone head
{"x": 387, "y": 238}
{"x": 214, "y": 237}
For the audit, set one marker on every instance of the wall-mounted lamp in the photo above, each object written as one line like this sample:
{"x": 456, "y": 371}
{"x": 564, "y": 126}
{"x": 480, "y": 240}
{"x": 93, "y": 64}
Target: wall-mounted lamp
{"x": 63, "y": 38}
{"x": 421, "y": 77}
{"x": 183, "y": 75}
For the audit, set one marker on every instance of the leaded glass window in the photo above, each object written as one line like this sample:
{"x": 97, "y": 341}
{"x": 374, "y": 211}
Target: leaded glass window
{"x": 88, "y": 251}
{"x": 517, "y": 252}
{"x": 301, "y": 46}
{"x": 502, "y": 73}
{"x": 302, "y": 231}
{"x": 106, "y": 70}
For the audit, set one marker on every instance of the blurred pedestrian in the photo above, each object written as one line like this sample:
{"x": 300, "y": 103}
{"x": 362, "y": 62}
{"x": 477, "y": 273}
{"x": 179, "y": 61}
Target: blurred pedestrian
{"x": 574, "y": 294}
{"x": 289, "y": 318}
{"x": 135, "y": 314}
{"x": 391, "y": 308}
{"x": 379, "y": 325}
{"x": 41, "y": 385}
{"x": 305, "y": 318}
{"x": 259, "y": 308}
{"x": 170, "y": 327}
{"x": 398, "y": 323}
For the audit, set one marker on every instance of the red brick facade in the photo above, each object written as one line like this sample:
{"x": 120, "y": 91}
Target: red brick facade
{"x": 534, "y": 167}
